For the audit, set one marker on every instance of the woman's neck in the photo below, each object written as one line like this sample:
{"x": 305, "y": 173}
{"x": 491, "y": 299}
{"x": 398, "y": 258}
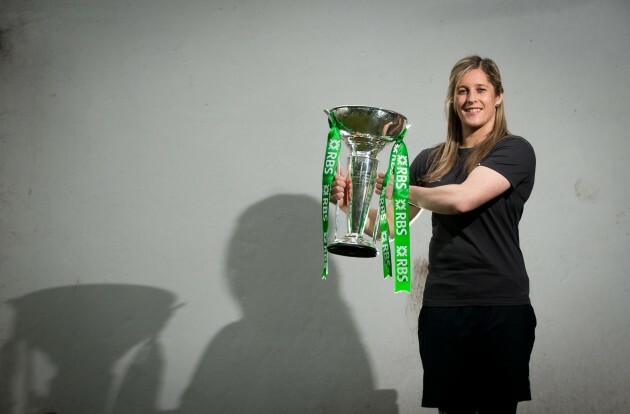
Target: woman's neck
{"x": 472, "y": 141}
{"x": 472, "y": 138}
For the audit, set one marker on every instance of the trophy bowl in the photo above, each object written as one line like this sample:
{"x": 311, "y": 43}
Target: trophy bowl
{"x": 366, "y": 131}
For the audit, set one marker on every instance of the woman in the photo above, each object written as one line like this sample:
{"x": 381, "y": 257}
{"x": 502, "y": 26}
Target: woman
{"x": 476, "y": 326}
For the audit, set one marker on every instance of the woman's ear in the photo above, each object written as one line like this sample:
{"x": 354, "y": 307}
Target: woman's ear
{"x": 499, "y": 100}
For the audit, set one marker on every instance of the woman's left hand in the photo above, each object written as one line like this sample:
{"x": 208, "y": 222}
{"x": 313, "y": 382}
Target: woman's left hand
{"x": 380, "y": 177}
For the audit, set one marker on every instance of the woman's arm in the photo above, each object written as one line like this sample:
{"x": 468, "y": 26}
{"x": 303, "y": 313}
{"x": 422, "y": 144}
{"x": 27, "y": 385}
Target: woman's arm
{"x": 371, "y": 219}
{"x": 482, "y": 185}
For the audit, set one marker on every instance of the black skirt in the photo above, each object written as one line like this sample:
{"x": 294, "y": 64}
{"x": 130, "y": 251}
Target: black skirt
{"x": 475, "y": 356}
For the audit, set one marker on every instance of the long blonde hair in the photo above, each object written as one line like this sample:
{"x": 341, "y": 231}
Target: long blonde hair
{"x": 444, "y": 156}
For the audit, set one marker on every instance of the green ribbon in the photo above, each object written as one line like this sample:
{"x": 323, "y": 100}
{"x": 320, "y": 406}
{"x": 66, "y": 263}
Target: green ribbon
{"x": 333, "y": 147}
{"x": 401, "y": 264}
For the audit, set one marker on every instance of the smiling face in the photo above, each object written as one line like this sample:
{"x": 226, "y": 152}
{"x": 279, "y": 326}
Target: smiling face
{"x": 475, "y": 103}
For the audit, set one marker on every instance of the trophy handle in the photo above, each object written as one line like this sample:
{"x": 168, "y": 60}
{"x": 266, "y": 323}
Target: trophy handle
{"x": 327, "y": 112}
{"x": 336, "y": 206}
{"x": 376, "y": 234}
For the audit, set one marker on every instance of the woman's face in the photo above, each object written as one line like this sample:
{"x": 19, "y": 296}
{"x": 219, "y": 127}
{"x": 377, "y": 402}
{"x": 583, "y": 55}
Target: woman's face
{"x": 475, "y": 103}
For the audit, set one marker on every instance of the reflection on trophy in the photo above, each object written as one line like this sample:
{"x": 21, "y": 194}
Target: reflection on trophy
{"x": 365, "y": 131}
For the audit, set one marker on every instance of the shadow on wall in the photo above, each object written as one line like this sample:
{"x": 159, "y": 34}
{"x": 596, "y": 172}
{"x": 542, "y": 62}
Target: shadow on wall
{"x": 296, "y": 349}
{"x": 82, "y": 331}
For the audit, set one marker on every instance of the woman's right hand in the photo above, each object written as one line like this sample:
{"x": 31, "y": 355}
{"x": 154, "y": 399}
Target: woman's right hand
{"x": 339, "y": 192}
{"x": 378, "y": 185}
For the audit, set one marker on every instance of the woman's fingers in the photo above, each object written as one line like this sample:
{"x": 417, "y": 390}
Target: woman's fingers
{"x": 338, "y": 190}
{"x": 379, "y": 182}
{"x": 378, "y": 187}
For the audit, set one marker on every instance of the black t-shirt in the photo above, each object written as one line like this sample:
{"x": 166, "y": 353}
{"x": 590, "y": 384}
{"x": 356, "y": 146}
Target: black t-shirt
{"x": 475, "y": 258}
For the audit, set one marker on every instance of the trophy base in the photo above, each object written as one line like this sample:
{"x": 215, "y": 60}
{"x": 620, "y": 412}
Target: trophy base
{"x": 353, "y": 247}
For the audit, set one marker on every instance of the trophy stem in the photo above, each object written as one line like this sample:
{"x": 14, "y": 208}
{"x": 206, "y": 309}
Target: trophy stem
{"x": 361, "y": 176}
{"x": 362, "y": 173}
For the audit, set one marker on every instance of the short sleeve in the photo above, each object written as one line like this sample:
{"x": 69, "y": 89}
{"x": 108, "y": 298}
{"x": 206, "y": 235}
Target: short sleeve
{"x": 514, "y": 158}
{"x": 419, "y": 167}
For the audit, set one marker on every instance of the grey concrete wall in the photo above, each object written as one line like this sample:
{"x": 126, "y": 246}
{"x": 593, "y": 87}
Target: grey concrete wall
{"x": 160, "y": 171}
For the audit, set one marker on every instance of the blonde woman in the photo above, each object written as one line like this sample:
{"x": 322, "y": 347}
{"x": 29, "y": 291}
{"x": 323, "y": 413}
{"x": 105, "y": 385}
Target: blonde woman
{"x": 476, "y": 325}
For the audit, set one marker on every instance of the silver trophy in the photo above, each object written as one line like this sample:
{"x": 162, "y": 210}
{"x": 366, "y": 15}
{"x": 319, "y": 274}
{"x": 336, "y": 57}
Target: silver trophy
{"x": 365, "y": 131}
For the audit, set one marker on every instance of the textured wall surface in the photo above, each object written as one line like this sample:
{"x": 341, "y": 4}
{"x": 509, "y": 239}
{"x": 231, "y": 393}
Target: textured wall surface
{"x": 160, "y": 167}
